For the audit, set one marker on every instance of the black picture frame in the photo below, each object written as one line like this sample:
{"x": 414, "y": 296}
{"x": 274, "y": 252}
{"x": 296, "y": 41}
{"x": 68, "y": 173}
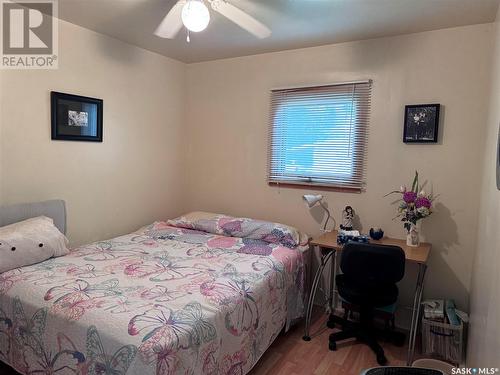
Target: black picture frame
{"x": 421, "y": 123}
{"x": 75, "y": 117}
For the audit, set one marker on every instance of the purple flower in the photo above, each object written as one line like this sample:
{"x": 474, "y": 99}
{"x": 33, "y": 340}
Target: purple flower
{"x": 409, "y": 196}
{"x": 423, "y": 202}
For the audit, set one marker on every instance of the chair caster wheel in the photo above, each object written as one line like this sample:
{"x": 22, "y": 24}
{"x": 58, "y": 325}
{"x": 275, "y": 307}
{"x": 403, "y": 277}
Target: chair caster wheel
{"x": 332, "y": 345}
{"x": 381, "y": 360}
{"x": 306, "y": 338}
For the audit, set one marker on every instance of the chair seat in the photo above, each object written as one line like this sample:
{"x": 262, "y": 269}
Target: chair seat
{"x": 387, "y": 310}
{"x": 374, "y": 295}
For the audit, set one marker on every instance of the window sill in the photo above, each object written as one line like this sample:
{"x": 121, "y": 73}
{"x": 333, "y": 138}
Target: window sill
{"x": 313, "y": 186}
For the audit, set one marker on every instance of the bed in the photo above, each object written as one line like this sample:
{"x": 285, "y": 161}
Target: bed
{"x": 167, "y": 299}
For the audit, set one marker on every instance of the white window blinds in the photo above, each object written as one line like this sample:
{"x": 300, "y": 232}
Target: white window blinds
{"x": 317, "y": 135}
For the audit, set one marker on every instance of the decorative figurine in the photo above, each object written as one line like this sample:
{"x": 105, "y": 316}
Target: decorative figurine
{"x": 347, "y": 218}
{"x": 376, "y": 233}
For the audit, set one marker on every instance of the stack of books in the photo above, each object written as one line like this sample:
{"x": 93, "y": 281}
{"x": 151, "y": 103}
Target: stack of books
{"x": 443, "y": 311}
{"x": 434, "y": 310}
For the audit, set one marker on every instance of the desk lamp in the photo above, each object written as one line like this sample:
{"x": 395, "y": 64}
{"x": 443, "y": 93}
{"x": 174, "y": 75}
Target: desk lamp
{"x": 311, "y": 200}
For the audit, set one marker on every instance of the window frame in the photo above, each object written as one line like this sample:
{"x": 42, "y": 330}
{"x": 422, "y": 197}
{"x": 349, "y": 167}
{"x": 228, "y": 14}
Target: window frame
{"x": 357, "y": 181}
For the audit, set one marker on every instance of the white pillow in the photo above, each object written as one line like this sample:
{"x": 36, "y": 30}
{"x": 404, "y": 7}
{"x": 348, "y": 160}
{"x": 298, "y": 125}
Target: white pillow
{"x": 30, "y": 241}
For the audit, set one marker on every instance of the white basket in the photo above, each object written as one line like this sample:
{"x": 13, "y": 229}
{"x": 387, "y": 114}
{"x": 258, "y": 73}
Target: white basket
{"x": 444, "y": 341}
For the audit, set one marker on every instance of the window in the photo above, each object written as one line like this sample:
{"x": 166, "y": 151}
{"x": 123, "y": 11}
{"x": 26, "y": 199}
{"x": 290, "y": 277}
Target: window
{"x": 317, "y": 135}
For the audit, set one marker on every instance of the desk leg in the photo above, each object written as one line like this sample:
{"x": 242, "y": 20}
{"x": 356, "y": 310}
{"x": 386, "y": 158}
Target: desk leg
{"x": 332, "y": 306}
{"x": 417, "y": 302}
{"x": 314, "y": 287}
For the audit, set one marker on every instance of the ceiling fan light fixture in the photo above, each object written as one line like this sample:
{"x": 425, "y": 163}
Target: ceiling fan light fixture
{"x": 195, "y": 15}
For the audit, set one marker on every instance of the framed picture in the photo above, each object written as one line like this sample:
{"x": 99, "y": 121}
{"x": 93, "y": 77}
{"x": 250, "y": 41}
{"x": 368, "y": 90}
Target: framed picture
{"x": 421, "y": 123}
{"x": 76, "y": 118}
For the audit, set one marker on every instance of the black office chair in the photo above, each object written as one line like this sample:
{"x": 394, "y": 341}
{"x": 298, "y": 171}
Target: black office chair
{"x": 370, "y": 274}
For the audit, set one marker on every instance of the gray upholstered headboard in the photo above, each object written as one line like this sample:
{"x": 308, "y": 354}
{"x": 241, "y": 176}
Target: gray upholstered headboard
{"x": 55, "y": 209}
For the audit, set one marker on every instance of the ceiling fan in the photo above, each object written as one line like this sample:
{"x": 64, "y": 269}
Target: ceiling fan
{"x": 195, "y": 16}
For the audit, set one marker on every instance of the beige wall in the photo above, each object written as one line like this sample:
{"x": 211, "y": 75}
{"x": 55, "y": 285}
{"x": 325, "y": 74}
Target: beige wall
{"x": 227, "y": 120}
{"x": 130, "y": 179}
{"x": 484, "y": 343}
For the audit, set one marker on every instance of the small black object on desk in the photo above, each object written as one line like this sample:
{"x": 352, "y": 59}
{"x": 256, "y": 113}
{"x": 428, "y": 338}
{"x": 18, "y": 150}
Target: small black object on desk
{"x": 376, "y": 234}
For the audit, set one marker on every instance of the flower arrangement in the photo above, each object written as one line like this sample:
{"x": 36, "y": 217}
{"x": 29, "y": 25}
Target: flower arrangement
{"x": 414, "y": 204}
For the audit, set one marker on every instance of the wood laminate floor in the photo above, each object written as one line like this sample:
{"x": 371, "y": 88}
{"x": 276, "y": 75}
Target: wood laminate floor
{"x": 290, "y": 355}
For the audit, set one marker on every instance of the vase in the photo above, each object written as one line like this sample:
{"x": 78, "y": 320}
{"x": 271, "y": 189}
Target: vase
{"x": 412, "y": 237}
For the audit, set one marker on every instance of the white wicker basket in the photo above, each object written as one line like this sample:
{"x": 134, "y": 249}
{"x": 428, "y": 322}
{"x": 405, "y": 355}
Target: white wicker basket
{"x": 444, "y": 341}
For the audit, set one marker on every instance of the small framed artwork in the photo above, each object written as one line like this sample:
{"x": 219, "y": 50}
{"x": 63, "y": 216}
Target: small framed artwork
{"x": 421, "y": 123}
{"x": 76, "y": 118}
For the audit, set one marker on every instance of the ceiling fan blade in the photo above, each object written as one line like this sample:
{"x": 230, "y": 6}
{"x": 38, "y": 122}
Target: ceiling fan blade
{"x": 172, "y": 23}
{"x": 240, "y": 18}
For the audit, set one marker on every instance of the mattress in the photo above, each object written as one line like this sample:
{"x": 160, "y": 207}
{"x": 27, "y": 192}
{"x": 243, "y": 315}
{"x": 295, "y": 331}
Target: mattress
{"x": 163, "y": 300}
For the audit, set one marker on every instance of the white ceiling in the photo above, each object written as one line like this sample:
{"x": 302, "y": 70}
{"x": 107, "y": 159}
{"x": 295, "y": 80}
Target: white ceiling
{"x": 294, "y": 23}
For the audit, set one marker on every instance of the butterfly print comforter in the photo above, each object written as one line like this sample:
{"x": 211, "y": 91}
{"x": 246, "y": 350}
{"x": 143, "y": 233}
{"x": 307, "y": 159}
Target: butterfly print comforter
{"x": 164, "y": 300}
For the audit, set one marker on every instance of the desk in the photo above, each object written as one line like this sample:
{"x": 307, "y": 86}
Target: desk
{"x": 327, "y": 244}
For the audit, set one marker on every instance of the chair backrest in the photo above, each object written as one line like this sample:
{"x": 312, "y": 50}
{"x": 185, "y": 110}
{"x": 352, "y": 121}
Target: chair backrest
{"x": 370, "y": 263}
